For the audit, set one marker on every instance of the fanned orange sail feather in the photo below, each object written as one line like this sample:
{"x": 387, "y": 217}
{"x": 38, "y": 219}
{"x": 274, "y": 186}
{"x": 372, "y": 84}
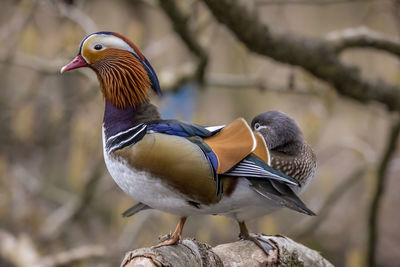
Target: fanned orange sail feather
{"x": 232, "y": 144}
{"x": 261, "y": 150}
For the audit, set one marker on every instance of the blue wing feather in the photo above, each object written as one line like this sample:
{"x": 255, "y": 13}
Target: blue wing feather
{"x": 174, "y": 127}
{"x": 213, "y": 159}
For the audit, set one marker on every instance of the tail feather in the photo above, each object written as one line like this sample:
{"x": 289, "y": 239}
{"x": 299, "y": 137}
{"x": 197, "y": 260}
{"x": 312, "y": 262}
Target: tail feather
{"x": 135, "y": 209}
{"x": 280, "y": 193}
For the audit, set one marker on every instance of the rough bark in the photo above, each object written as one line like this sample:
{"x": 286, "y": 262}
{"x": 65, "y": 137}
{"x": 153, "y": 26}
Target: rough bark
{"x": 242, "y": 253}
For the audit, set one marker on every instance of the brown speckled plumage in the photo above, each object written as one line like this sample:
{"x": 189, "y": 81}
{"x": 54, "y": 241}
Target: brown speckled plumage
{"x": 290, "y": 153}
{"x": 299, "y": 166}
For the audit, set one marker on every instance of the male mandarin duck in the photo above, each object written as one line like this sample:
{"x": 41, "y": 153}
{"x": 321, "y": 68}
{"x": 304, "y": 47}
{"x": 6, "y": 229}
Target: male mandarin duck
{"x": 188, "y": 169}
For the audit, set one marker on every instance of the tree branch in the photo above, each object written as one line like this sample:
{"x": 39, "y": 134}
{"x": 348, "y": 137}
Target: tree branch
{"x": 242, "y": 253}
{"x": 77, "y": 16}
{"x": 67, "y": 258}
{"x": 38, "y": 64}
{"x": 380, "y": 187}
{"x": 21, "y": 251}
{"x": 309, "y": 2}
{"x": 180, "y": 23}
{"x": 314, "y": 55}
{"x": 363, "y": 37}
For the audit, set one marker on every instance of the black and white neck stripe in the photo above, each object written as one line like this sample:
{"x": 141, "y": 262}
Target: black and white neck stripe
{"x": 126, "y": 137}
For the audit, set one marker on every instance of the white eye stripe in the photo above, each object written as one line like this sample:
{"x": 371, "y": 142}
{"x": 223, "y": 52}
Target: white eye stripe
{"x": 259, "y": 127}
{"x": 108, "y": 41}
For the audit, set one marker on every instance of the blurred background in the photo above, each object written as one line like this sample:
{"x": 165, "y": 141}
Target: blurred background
{"x": 58, "y": 204}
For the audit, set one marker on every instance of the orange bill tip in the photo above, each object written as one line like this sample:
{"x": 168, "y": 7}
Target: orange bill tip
{"x": 77, "y": 62}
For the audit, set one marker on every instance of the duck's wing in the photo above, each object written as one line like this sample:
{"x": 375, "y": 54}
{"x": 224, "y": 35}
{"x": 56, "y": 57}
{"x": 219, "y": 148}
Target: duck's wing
{"x": 254, "y": 167}
{"x": 232, "y": 150}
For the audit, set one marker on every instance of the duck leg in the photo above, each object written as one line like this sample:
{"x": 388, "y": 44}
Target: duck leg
{"x": 176, "y": 235}
{"x": 258, "y": 239}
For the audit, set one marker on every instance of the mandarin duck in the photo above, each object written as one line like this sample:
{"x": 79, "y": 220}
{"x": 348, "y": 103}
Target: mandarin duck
{"x": 184, "y": 168}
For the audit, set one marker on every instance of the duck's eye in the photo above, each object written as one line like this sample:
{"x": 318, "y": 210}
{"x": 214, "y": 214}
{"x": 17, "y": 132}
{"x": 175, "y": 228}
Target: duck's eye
{"x": 256, "y": 126}
{"x": 98, "y": 47}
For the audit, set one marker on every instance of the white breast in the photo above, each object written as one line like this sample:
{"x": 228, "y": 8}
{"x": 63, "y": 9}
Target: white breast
{"x": 142, "y": 187}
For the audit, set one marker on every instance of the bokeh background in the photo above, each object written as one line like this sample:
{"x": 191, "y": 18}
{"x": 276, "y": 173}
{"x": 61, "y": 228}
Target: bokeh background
{"x": 59, "y": 205}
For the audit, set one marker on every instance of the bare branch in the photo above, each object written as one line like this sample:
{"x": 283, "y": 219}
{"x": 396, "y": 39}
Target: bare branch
{"x": 363, "y": 37}
{"x": 72, "y": 256}
{"x": 172, "y": 81}
{"x": 12, "y": 247}
{"x": 78, "y": 16}
{"x": 310, "y": 2}
{"x": 314, "y": 55}
{"x": 14, "y": 28}
{"x": 35, "y": 63}
{"x": 242, "y": 253}
{"x": 17, "y": 22}
{"x": 21, "y": 251}
{"x": 373, "y": 221}
{"x": 180, "y": 23}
